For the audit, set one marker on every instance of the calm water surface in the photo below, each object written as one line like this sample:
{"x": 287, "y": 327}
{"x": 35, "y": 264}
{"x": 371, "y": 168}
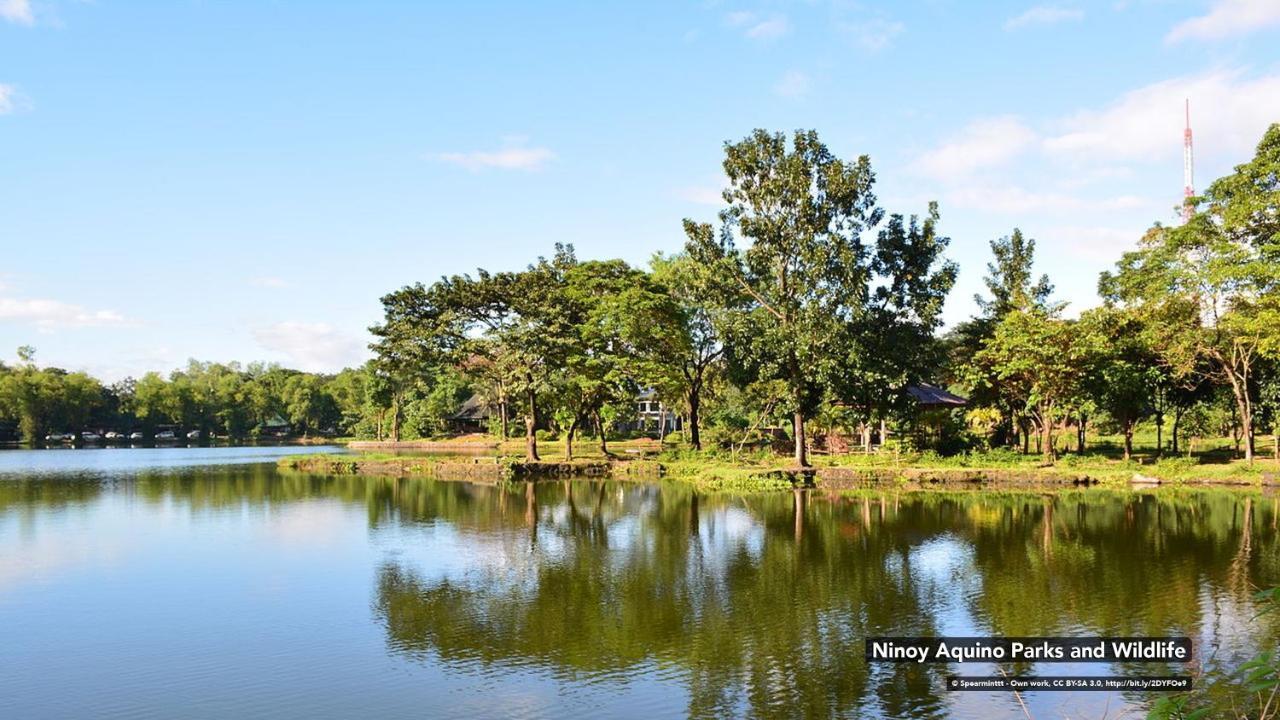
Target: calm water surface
{"x": 202, "y": 583}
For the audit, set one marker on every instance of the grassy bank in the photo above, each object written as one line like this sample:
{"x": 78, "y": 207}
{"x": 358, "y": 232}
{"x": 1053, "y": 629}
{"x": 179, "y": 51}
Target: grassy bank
{"x": 490, "y": 468}
{"x": 723, "y": 471}
{"x": 998, "y": 466}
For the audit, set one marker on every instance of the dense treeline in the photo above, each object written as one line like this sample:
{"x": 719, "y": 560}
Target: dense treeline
{"x": 805, "y": 314}
{"x": 209, "y": 397}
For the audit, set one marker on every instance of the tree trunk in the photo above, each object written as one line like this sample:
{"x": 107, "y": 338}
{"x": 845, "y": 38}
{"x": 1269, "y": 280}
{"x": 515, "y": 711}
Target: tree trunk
{"x": 1244, "y": 410}
{"x": 502, "y": 415}
{"x": 1082, "y": 433}
{"x": 531, "y": 427}
{"x": 695, "y": 403}
{"x": 1026, "y": 437}
{"x": 1128, "y": 439}
{"x": 568, "y": 439}
{"x": 395, "y": 419}
{"x": 802, "y": 450}
{"x": 1177, "y": 420}
{"x": 1046, "y": 436}
{"x": 604, "y": 441}
{"x": 1159, "y": 434}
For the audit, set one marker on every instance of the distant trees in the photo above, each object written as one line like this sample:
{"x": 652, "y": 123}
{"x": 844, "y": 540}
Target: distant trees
{"x": 42, "y": 400}
{"x": 224, "y": 399}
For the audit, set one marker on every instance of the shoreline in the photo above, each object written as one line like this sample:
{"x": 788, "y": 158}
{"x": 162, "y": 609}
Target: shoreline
{"x": 720, "y": 476}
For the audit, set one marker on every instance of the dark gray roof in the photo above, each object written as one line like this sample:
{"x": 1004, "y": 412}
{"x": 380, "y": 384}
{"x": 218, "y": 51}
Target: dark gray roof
{"x": 933, "y": 396}
{"x": 473, "y": 408}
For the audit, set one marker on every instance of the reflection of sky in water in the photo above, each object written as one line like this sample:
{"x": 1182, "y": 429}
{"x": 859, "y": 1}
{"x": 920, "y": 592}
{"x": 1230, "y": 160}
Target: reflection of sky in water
{"x": 946, "y": 581}
{"x": 109, "y": 461}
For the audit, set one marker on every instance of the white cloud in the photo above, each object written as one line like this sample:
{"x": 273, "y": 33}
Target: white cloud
{"x": 872, "y": 35}
{"x": 768, "y": 29}
{"x": 1227, "y": 18}
{"x": 8, "y": 99}
{"x": 1043, "y": 15}
{"x": 50, "y": 315}
{"x": 514, "y": 156}
{"x": 756, "y": 27}
{"x": 270, "y": 282}
{"x": 1100, "y": 243}
{"x": 793, "y": 85}
{"x": 1146, "y": 124}
{"x": 700, "y": 195}
{"x": 1016, "y": 200}
{"x": 313, "y": 347}
{"x": 983, "y": 143}
{"x": 17, "y": 11}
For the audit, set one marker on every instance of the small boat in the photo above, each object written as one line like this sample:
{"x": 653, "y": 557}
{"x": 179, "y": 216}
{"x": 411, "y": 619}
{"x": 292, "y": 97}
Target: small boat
{"x": 90, "y": 436}
{"x": 193, "y": 435}
{"x": 137, "y": 436}
{"x": 166, "y": 435}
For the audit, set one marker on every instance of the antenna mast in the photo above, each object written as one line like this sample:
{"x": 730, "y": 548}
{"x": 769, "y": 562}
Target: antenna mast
{"x": 1188, "y": 169}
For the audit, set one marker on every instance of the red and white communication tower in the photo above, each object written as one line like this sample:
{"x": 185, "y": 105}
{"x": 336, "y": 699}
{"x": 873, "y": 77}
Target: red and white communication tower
{"x": 1188, "y": 169}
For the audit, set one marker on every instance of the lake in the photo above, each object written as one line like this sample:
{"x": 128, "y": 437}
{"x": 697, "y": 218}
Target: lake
{"x": 203, "y": 583}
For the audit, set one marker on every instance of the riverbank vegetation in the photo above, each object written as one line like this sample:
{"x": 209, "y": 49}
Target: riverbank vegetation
{"x": 802, "y": 326}
{"x": 809, "y": 317}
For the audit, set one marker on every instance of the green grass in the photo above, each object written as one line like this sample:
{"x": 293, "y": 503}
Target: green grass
{"x": 717, "y": 470}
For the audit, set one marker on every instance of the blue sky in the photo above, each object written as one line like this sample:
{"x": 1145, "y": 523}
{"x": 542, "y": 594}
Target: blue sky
{"x": 243, "y": 180}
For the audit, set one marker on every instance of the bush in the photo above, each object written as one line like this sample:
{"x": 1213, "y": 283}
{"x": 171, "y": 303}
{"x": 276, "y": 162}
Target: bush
{"x": 1177, "y": 464}
{"x": 721, "y": 436}
{"x": 547, "y": 435}
{"x": 673, "y": 438}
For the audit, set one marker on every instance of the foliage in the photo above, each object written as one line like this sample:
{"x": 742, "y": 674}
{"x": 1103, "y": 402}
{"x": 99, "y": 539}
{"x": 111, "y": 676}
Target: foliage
{"x": 1210, "y": 290}
{"x": 1042, "y": 361}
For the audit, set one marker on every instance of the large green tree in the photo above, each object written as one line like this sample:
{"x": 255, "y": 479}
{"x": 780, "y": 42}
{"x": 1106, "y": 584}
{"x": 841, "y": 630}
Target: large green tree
{"x": 512, "y": 321}
{"x": 893, "y": 345}
{"x": 1209, "y": 290}
{"x": 800, "y": 212}
{"x": 1042, "y": 361}
{"x": 1124, "y": 377}
{"x": 1011, "y": 286}
{"x": 705, "y": 302}
{"x": 619, "y": 326}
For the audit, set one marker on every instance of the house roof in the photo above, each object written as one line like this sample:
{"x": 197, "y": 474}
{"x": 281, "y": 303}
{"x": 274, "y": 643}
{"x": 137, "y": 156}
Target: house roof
{"x": 473, "y": 408}
{"x": 933, "y": 396}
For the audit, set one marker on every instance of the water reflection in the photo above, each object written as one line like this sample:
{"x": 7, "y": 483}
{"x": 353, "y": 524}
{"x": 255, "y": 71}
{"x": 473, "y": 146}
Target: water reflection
{"x": 752, "y": 605}
{"x": 760, "y": 605}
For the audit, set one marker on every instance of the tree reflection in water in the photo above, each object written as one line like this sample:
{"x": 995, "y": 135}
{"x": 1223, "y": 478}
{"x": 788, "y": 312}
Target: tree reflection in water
{"x": 760, "y": 604}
